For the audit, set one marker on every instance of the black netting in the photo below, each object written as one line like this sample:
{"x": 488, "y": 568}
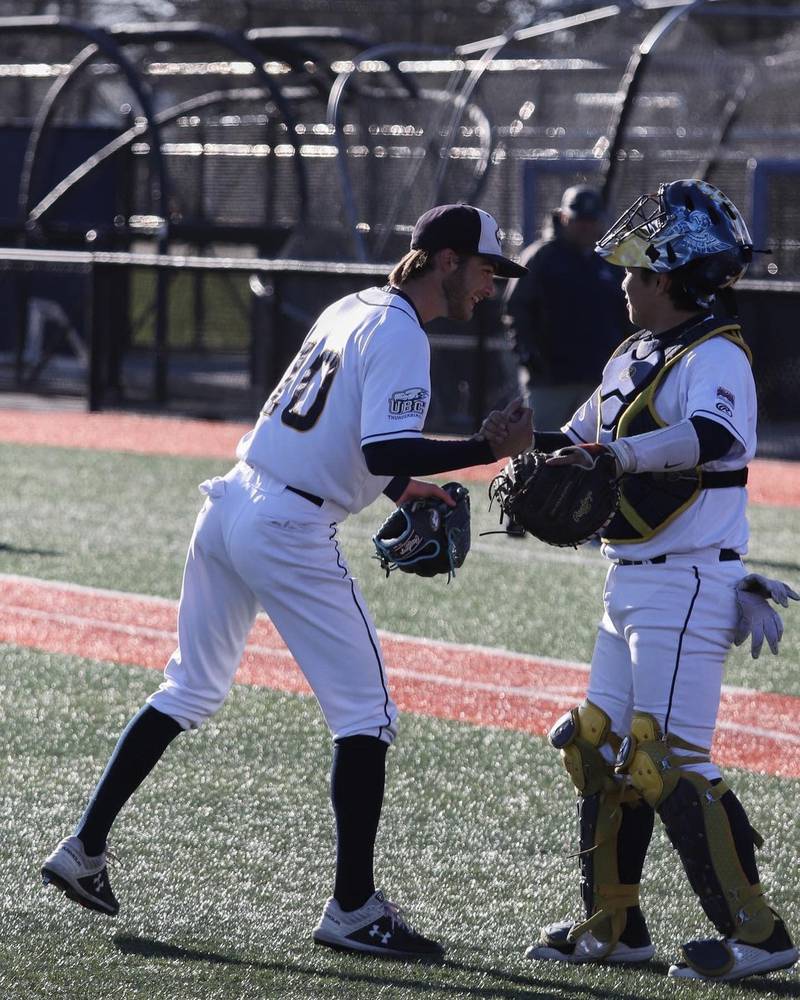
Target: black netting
{"x": 46, "y": 333}
{"x": 715, "y": 98}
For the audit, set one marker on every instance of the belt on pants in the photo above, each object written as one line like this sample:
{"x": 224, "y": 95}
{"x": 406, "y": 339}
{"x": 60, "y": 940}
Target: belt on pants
{"x": 311, "y": 497}
{"x": 725, "y": 555}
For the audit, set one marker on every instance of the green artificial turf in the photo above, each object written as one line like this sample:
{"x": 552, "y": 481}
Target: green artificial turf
{"x": 123, "y": 522}
{"x": 226, "y": 852}
{"x": 226, "y": 855}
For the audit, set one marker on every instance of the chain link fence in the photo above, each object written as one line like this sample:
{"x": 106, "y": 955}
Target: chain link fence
{"x": 329, "y": 144}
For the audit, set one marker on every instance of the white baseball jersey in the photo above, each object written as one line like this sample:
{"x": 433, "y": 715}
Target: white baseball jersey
{"x": 667, "y": 627}
{"x": 362, "y": 375}
{"x": 712, "y": 380}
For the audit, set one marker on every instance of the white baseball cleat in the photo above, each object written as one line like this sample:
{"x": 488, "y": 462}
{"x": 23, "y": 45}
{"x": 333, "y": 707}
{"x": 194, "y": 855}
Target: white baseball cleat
{"x": 82, "y": 878}
{"x": 553, "y": 946}
{"x": 376, "y": 928}
{"x": 728, "y": 960}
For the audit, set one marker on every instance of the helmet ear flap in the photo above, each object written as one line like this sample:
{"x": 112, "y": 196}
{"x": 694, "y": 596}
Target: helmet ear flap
{"x": 699, "y": 281}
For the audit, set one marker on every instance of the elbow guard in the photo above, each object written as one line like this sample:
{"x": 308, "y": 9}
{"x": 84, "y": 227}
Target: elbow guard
{"x": 668, "y": 449}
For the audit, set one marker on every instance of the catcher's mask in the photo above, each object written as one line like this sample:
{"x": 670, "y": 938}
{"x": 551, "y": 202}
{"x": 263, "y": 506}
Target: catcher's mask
{"x": 689, "y": 224}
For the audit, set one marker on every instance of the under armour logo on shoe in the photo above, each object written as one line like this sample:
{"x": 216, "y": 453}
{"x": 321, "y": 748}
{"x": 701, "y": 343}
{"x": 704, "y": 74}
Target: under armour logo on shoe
{"x": 97, "y": 881}
{"x": 375, "y": 931}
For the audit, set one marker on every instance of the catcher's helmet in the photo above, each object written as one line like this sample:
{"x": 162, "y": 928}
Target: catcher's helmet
{"x": 689, "y": 224}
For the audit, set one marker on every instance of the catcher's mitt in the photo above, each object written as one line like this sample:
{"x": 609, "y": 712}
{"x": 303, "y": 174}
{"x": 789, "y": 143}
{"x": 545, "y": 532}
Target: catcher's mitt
{"x": 559, "y": 504}
{"x": 426, "y": 537}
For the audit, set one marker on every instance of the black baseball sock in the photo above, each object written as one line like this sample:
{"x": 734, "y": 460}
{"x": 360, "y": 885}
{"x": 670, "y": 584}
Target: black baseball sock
{"x": 138, "y": 750}
{"x": 357, "y": 780}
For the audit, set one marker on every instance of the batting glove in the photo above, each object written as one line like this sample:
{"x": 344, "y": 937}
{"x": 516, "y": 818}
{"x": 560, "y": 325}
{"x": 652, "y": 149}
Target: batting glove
{"x": 757, "y": 618}
{"x": 775, "y": 590}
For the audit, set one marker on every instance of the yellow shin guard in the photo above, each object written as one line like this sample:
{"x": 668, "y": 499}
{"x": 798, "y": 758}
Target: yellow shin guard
{"x": 614, "y": 824}
{"x": 707, "y": 826}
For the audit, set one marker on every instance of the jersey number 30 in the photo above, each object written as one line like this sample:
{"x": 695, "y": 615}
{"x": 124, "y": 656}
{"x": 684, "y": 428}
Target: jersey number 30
{"x": 328, "y": 363}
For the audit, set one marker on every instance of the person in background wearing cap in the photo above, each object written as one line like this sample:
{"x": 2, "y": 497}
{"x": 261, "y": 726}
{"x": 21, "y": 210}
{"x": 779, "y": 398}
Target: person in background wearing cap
{"x": 343, "y": 425}
{"x": 568, "y": 312}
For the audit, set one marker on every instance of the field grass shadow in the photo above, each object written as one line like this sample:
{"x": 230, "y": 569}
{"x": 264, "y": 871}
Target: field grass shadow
{"x": 542, "y": 986}
{"x": 508, "y": 985}
{"x": 18, "y": 550}
{"x": 518, "y": 988}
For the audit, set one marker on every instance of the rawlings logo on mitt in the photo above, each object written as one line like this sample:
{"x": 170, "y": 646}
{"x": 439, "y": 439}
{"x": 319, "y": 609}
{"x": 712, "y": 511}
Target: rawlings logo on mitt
{"x": 559, "y": 504}
{"x": 426, "y": 537}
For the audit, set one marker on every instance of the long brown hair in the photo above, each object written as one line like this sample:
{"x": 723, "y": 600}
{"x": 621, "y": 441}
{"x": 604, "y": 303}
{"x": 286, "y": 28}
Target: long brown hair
{"x": 414, "y": 264}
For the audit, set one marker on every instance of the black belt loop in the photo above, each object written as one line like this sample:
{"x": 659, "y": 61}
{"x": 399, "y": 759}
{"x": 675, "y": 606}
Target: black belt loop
{"x": 725, "y": 555}
{"x": 311, "y": 497}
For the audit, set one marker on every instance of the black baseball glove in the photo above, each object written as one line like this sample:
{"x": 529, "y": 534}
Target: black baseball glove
{"x": 559, "y": 504}
{"x": 426, "y": 537}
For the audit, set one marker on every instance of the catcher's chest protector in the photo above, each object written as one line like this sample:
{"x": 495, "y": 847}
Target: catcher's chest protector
{"x": 648, "y": 501}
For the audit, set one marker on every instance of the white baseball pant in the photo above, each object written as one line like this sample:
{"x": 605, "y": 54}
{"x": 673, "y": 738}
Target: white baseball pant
{"x": 257, "y": 544}
{"x": 662, "y": 643}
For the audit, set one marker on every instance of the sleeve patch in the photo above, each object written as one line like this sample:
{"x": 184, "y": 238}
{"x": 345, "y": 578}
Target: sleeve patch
{"x": 407, "y": 403}
{"x": 725, "y": 395}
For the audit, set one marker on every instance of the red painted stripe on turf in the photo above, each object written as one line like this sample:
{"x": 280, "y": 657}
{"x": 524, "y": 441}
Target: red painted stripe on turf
{"x": 757, "y": 731}
{"x": 149, "y": 435}
{"x": 771, "y": 482}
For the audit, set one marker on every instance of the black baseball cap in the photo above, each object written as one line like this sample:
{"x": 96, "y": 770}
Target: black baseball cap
{"x": 582, "y": 202}
{"x": 466, "y": 230}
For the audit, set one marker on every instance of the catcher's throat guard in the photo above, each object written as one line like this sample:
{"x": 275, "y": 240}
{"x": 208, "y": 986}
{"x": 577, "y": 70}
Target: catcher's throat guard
{"x": 426, "y": 537}
{"x": 562, "y": 505}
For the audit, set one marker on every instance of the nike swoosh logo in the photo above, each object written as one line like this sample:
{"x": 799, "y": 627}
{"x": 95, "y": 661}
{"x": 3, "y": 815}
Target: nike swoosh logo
{"x": 671, "y": 465}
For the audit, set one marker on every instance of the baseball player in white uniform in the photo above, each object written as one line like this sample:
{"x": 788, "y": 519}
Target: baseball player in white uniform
{"x": 677, "y": 408}
{"x": 343, "y": 425}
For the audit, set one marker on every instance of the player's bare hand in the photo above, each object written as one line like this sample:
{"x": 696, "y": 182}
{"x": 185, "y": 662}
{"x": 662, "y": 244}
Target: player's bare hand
{"x": 509, "y": 431}
{"x": 418, "y": 489}
{"x": 494, "y": 428}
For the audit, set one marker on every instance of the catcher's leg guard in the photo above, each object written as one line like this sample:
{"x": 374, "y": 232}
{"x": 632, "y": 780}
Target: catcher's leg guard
{"x": 707, "y": 826}
{"x": 615, "y": 827}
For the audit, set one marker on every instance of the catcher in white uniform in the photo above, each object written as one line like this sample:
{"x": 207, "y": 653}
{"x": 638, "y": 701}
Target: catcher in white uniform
{"x": 677, "y": 409}
{"x": 343, "y": 425}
